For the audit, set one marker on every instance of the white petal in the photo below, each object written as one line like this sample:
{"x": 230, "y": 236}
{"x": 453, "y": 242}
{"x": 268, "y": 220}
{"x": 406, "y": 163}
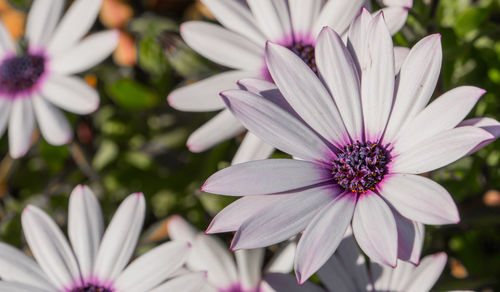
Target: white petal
{"x": 204, "y": 95}
{"x": 358, "y": 36}
{"x": 207, "y": 39}
{"x": 400, "y": 54}
{"x": 377, "y": 75}
{"x": 53, "y": 124}
{"x": 5, "y": 106}
{"x": 279, "y": 222}
{"x": 20, "y": 287}
{"x": 210, "y": 254}
{"x": 86, "y": 54}
{"x": 252, "y": 148}
{"x": 282, "y": 261}
{"x": 85, "y": 227}
{"x": 338, "y": 70}
{"x": 71, "y": 94}
{"x": 419, "y": 199}
{"x": 15, "y": 266}
{"x": 304, "y": 14}
{"x": 154, "y": 267}
{"x": 276, "y": 126}
{"x": 192, "y": 282}
{"x": 120, "y": 238}
{"x": 410, "y": 238}
{"x": 446, "y": 112}
{"x": 427, "y": 273}
{"x": 249, "y": 266}
{"x": 237, "y": 17}
{"x": 305, "y": 93}
{"x": 77, "y": 21}
{"x": 180, "y": 229}
{"x": 490, "y": 125}
{"x": 375, "y": 229}
{"x": 6, "y": 42}
{"x": 439, "y": 150}
{"x": 42, "y": 19}
{"x": 220, "y": 128}
{"x": 21, "y": 125}
{"x": 338, "y": 15}
{"x": 50, "y": 248}
{"x": 395, "y": 18}
{"x": 267, "y": 176}
{"x": 323, "y": 235}
{"x": 273, "y": 18}
{"x": 417, "y": 80}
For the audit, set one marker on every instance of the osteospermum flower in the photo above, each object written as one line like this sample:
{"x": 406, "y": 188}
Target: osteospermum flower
{"x": 240, "y": 43}
{"x": 95, "y": 262}
{"x": 361, "y": 138}
{"x": 347, "y": 271}
{"x": 211, "y": 255}
{"x": 35, "y": 78}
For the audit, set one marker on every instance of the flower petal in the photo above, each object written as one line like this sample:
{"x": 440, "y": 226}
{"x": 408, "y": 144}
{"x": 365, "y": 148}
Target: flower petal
{"x": 20, "y": 287}
{"x": 427, "y": 273}
{"x": 395, "y": 18}
{"x": 192, "y": 282}
{"x": 267, "y": 90}
{"x": 276, "y": 126}
{"x": 375, "y": 229}
{"x": 338, "y": 70}
{"x": 85, "y": 227}
{"x": 42, "y": 20}
{"x": 443, "y": 114}
{"x": 71, "y": 94}
{"x": 417, "y": 80}
{"x": 237, "y": 17}
{"x": 21, "y": 125}
{"x": 282, "y": 261}
{"x": 15, "y": 266}
{"x": 338, "y": 15}
{"x": 358, "y": 36}
{"x": 6, "y": 43}
{"x": 286, "y": 282}
{"x": 400, "y": 54}
{"x": 252, "y": 148}
{"x": 377, "y": 81}
{"x": 305, "y": 93}
{"x": 220, "y": 128}
{"x": 207, "y": 39}
{"x": 439, "y": 150}
{"x": 279, "y": 222}
{"x": 203, "y": 95}
{"x": 273, "y": 18}
{"x": 5, "y": 106}
{"x": 249, "y": 267}
{"x": 419, "y": 199}
{"x": 322, "y": 235}
{"x": 410, "y": 238}
{"x": 77, "y": 21}
{"x": 53, "y": 124}
{"x": 50, "y": 248}
{"x": 266, "y": 177}
{"x": 120, "y": 238}
{"x": 488, "y": 124}
{"x": 180, "y": 229}
{"x": 154, "y": 267}
{"x": 86, "y": 54}
{"x": 304, "y": 14}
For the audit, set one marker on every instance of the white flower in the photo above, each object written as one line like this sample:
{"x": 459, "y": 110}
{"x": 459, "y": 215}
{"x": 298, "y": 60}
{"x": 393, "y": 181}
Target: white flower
{"x": 95, "y": 262}
{"x": 223, "y": 275}
{"x": 36, "y": 80}
{"x": 240, "y": 45}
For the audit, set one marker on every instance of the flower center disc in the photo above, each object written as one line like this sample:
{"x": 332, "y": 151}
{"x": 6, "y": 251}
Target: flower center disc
{"x": 91, "y": 288}
{"x": 360, "y": 166}
{"x": 20, "y": 73}
{"x": 306, "y": 53}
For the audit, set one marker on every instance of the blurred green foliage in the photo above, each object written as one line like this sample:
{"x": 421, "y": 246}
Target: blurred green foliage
{"x": 136, "y": 142}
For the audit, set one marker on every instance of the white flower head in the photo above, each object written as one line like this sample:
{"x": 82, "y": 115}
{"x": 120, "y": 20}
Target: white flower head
{"x": 37, "y": 80}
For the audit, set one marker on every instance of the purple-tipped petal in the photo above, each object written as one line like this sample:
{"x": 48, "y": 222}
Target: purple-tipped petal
{"x": 375, "y": 229}
{"x": 420, "y": 199}
{"x": 323, "y": 235}
{"x": 488, "y": 124}
{"x": 266, "y": 177}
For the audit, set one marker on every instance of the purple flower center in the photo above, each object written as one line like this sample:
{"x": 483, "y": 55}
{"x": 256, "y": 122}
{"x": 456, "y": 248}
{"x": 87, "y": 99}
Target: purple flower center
{"x": 20, "y": 73}
{"x": 91, "y": 288}
{"x": 360, "y": 166}
{"x": 306, "y": 53}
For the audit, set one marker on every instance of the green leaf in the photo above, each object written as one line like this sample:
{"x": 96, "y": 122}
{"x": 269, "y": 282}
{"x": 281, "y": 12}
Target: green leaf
{"x": 133, "y": 95}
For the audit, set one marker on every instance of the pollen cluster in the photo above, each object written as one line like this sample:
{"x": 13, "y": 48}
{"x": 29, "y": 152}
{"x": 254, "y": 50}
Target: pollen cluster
{"x": 20, "y": 73}
{"x": 306, "y": 53}
{"x": 360, "y": 166}
{"x": 91, "y": 288}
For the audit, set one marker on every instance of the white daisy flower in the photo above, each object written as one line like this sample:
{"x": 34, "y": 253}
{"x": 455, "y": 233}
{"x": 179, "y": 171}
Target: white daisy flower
{"x": 95, "y": 261}
{"x": 239, "y": 44}
{"x": 211, "y": 255}
{"x": 36, "y": 80}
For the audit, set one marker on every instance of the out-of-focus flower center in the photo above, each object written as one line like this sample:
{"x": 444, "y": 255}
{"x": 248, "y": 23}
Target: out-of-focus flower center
{"x": 360, "y": 166}
{"x": 306, "y": 53}
{"x": 91, "y": 288}
{"x": 237, "y": 288}
{"x": 20, "y": 73}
